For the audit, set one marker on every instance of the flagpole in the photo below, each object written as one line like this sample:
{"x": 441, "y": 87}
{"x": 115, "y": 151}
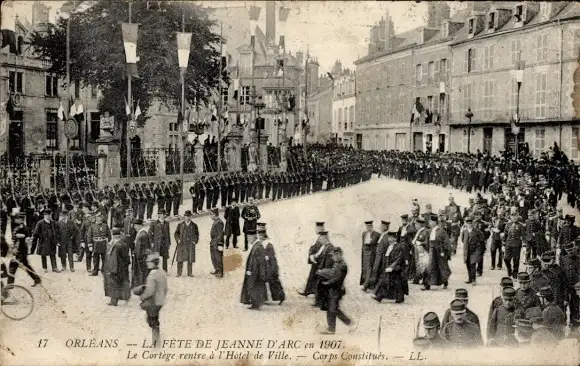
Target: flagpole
{"x": 67, "y": 153}
{"x": 219, "y": 116}
{"x": 181, "y": 134}
{"x": 130, "y": 101}
{"x": 305, "y": 102}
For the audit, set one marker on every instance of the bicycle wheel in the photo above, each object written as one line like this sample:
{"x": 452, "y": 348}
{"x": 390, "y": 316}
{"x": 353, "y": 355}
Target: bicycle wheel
{"x": 18, "y": 304}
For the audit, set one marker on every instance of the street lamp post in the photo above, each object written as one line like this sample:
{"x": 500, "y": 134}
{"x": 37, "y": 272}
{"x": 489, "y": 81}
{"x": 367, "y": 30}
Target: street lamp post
{"x": 183, "y": 49}
{"x": 469, "y": 115}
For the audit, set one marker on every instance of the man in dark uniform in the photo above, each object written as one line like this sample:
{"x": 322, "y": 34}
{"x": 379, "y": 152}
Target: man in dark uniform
{"x": 526, "y": 296}
{"x": 177, "y": 191}
{"x": 552, "y": 315}
{"x": 21, "y": 237}
{"x": 201, "y": 194}
{"x": 432, "y": 338}
{"x": 570, "y": 263}
{"x": 462, "y": 295}
{"x": 209, "y": 192}
{"x": 168, "y": 201}
{"x": 150, "y": 199}
{"x": 514, "y": 239}
{"x": 160, "y": 196}
{"x": 193, "y": 191}
{"x": 496, "y": 302}
{"x": 500, "y": 328}
{"x": 142, "y": 205}
{"x": 134, "y": 197}
{"x": 461, "y": 332}
{"x": 223, "y": 184}
{"x": 524, "y": 330}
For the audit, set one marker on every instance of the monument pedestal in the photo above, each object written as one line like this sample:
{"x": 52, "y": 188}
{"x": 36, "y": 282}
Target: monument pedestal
{"x": 198, "y": 158}
{"x": 234, "y": 150}
{"x": 264, "y": 152}
{"x": 109, "y": 163}
{"x": 283, "y": 156}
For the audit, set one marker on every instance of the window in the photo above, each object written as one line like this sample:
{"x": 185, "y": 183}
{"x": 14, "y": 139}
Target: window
{"x": 442, "y": 106}
{"x": 574, "y": 143}
{"x": 16, "y": 82}
{"x": 541, "y": 87}
{"x": 470, "y": 60}
{"x": 95, "y": 125}
{"x": 430, "y": 103}
{"x": 487, "y": 139}
{"x": 516, "y": 50}
{"x": 51, "y": 86}
{"x": 418, "y": 74}
{"x": 77, "y": 89}
{"x": 542, "y": 47}
{"x": 539, "y": 141}
{"x": 471, "y": 26}
{"x": 491, "y": 21}
{"x": 488, "y": 99}
{"x": 225, "y": 95}
{"x": 443, "y": 69}
{"x": 245, "y": 97}
{"x": 519, "y": 13}
{"x": 466, "y": 97}
{"x": 51, "y": 129}
{"x": 172, "y": 141}
{"x": 488, "y": 57}
{"x": 431, "y": 72}
{"x": 351, "y": 112}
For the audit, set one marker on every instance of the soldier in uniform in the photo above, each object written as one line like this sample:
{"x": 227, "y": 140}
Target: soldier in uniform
{"x": 461, "y": 332}
{"x": 500, "y": 328}
{"x": 223, "y": 184}
{"x": 497, "y": 237}
{"x": 462, "y": 295}
{"x": 193, "y": 191}
{"x": 168, "y": 203}
{"x": 432, "y": 338}
{"x": 514, "y": 239}
{"x": 160, "y": 196}
{"x": 134, "y": 197}
{"x": 251, "y": 215}
{"x": 150, "y": 199}
{"x": 217, "y": 244}
{"x": 142, "y": 205}
{"x": 553, "y": 317}
{"x": 21, "y": 237}
{"x": 97, "y": 238}
{"x": 496, "y": 302}
{"x": 523, "y": 332}
{"x": 570, "y": 263}
{"x": 526, "y": 296}
{"x": 177, "y": 191}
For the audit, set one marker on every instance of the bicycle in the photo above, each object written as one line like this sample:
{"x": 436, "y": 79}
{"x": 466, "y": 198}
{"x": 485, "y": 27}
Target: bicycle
{"x": 17, "y": 302}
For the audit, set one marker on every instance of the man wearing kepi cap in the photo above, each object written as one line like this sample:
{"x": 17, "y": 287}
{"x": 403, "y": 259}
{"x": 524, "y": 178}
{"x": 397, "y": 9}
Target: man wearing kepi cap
{"x": 524, "y": 330}
{"x": 570, "y": 263}
{"x": 21, "y": 238}
{"x": 496, "y": 302}
{"x": 526, "y": 296}
{"x": 97, "y": 237}
{"x": 462, "y": 295}
{"x": 553, "y": 317}
{"x": 500, "y": 329}
{"x": 461, "y": 333}
{"x": 432, "y": 338}
{"x": 216, "y": 244}
{"x": 370, "y": 239}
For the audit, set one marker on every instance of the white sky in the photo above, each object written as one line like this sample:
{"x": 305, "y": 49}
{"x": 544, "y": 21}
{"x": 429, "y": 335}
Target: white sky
{"x": 332, "y": 29}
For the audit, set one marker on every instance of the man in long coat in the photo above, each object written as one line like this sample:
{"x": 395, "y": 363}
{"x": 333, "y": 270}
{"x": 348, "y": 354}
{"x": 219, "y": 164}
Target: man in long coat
{"x": 232, "y": 218}
{"x": 382, "y": 246}
{"x": 159, "y": 234}
{"x": 391, "y": 281}
{"x": 405, "y": 236}
{"x": 438, "y": 270}
{"x": 186, "y": 237}
{"x": 116, "y": 271}
{"x": 45, "y": 239}
{"x": 216, "y": 245}
{"x": 310, "y": 287}
{"x": 370, "y": 239}
{"x": 421, "y": 250}
{"x": 251, "y": 215}
{"x": 272, "y": 269}
{"x": 68, "y": 238}
{"x": 254, "y": 290}
{"x": 473, "y": 248}
{"x": 142, "y": 250}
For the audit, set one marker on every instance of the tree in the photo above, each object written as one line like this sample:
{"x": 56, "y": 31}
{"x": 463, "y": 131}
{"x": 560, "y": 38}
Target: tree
{"x": 98, "y": 57}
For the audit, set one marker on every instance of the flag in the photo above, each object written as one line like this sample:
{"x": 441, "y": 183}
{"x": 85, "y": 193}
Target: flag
{"x": 72, "y": 109}
{"x": 9, "y": 27}
{"x": 515, "y": 126}
{"x": 254, "y": 16}
{"x": 183, "y": 48}
{"x": 280, "y": 64}
{"x": 137, "y": 111}
{"x": 282, "y": 17}
{"x": 130, "y": 36}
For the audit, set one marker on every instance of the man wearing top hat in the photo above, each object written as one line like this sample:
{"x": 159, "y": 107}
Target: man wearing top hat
{"x": 500, "y": 328}
{"x": 405, "y": 236}
{"x": 254, "y": 291}
{"x": 153, "y": 295}
{"x": 432, "y": 338}
{"x": 116, "y": 268}
{"x": 45, "y": 239}
{"x": 473, "y": 248}
{"x": 186, "y": 237}
{"x": 232, "y": 219}
{"x": 68, "y": 238}
{"x": 216, "y": 245}
{"x": 332, "y": 279}
{"x": 526, "y": 296}
{"x": 323, "y": 258}
{"x": 420, "y": 244}
{"x": 438, "y": 271}
{"x": 142, "y": 249}
{"x": 310, "y": 287}
{"x": 370, "y": 239}
{"x": 160, "y": 237}
{"x": 272, "y": 269}
{"x": 21, "y": 238}
{"x": 382, "y": 246}
{"x": 391, "y": 284}
{"x": 462, "y": 295}
{"x": 461, "y": 333}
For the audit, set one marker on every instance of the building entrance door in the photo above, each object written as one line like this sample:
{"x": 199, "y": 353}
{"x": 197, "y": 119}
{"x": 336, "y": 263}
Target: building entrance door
{"x": 16, "y": 138}
{"x": 418, "y": 141}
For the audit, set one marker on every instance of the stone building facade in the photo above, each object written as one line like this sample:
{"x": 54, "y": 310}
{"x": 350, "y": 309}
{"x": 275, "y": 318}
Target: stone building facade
{"x": 343, "y": 105}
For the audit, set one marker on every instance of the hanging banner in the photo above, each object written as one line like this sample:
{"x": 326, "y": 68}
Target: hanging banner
{"x": 183, "y": 48}
{"x": 130, "y": 36}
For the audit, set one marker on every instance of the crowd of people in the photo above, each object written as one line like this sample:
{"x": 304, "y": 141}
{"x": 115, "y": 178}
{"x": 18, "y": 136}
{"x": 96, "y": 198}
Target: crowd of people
{"x": 513, "y": 214}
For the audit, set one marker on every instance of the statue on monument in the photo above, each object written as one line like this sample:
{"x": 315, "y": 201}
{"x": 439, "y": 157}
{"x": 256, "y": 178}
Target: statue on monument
{"x": 107, "y": 126}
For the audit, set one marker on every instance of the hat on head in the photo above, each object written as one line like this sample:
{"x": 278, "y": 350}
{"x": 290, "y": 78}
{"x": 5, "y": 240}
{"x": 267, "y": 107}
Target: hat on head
{"x": 187, "y": 213}
{"x": 215, "y": 211}
{"x": 138, "y": 222}
{"x": 508, "y": 293}
{"x": 577, "y": 286}
{"x": 545, "y": 291}
{"x": 524, "y": 325}
{"x": 393, "y": 234}
{"x": 261, "y": 231}
{"x": 369, "y": 222}
{"x": 569, "y": 247}
{"x": 546, "y": 258}
{"x": 153, "y": 257}
{"x": 320, "y": 223}
{"x": 457, "y": 306}
{"x": 506, "y": 282}
{"x": 251, "y": 231}
{"x": 337, "y": 250}
{"x": 161, "y": 211}
{"x": 420, "y": 220}
{"x": 129, "y": 209}
{"x": 431, "y": 320}
{"x": 116, "y": 231}
{"x": 323, "y": 233}
{"x": 461, "y": 293}
{"x": 404, "y": 216}
{"x": 533, "y": 262}
{"x": 63, "y": 212}
{"x": 434, "y": 217}
{"x": 533, "y": 312}
{"x": 469, "y": 219}
{"x": 386, "y": 223}
{"x": 523, "y": 277}
{"x": 261, "y": 224}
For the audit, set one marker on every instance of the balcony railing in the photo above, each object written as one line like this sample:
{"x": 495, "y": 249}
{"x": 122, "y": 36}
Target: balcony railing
{"x": 532, "y": 114}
